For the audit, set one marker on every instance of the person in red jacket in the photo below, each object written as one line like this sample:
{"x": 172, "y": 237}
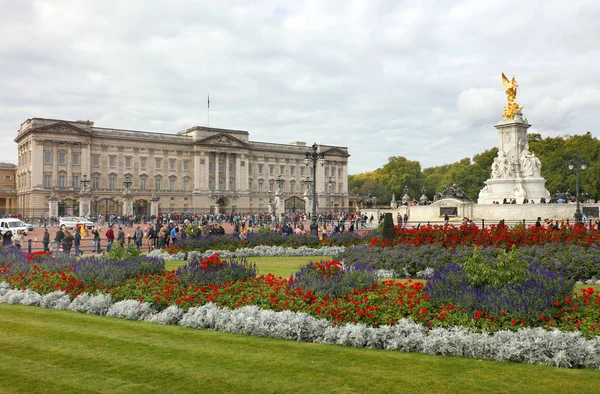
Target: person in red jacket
{"x": 110, "y": 238}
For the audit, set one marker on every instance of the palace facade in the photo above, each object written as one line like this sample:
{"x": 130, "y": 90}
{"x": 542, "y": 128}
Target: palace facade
{"x": 8, "y": 189}
{"x": 200, "y": 169}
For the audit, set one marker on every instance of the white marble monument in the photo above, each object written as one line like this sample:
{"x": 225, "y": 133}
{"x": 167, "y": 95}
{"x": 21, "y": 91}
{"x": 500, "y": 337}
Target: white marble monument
{"x": 515, "y": 171}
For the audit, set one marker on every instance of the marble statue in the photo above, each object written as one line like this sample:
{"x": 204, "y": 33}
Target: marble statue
{"x": 530, "y": 164}
{"x": 502, "y": 167}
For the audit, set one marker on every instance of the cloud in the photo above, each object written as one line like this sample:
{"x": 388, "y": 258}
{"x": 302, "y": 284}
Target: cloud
{"x": 385, "y": 78}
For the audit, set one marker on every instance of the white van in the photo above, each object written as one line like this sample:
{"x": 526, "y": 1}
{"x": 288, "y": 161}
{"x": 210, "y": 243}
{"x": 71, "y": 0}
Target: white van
{"x": 12, "y": 225}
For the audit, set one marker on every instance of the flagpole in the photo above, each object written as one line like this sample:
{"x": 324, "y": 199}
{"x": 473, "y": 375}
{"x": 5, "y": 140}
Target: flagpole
{"x": 208, "y": 110}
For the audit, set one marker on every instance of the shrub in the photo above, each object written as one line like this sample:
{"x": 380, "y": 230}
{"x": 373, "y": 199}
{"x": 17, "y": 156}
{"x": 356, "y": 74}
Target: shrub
{"x": 213, "y": 270}
{"x": 118, "y": 252}
{"x": 505, "y": 269}
{"x": 333, "y": 278}
{"x": 388, "y": 226}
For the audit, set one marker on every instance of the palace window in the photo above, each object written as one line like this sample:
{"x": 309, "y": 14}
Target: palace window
{"x": 292, "y": 187}
{"x": 128, "y": 162}
{"x": 157, "y": 184}
{"x": 282, "y": 169}
{"x": 75, "y": 159}
{"x": 61, "y": 158}
{"x": 61, "y": 181}
{"x": 171, "y": 184}
{"x": 186, "y": 165}
{"x": 260, "y": 169}
{"x": 47, "y": 180}
{"x": 47, "y": 157}
{"x": 172, "y": 164}
{"x": 271, "y": 169}
{"x": 301, "y": 171}
{"x": 143, "y": 184}
{"x": 271, "y": 185}
{"x": 96, "y": 160}
{"x": 75, "y": 182}
{"x": 143, "y": 163}
{"x": 249, "y": 168}
{"x": 260, "y": 187}
{"x": 230, "y": 166}
{"x": 111, "y": 183}
{"x": 95, "y": 182}
{"x": 292, "y": 171}
{"x": 112, "y": 161}
{"x": 186, "y": 184}
{"x": 158, "y": 164}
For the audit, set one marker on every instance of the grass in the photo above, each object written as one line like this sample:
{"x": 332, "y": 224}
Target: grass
{"x": 50, "y": 351}
{"x": 278, "y": 266}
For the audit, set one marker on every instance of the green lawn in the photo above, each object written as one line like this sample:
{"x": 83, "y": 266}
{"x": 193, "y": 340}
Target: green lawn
{"x": 48, "y": 351}
{"x": 279, "y": 266}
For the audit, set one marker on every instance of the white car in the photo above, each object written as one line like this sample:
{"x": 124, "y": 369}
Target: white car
{"x": 71, "y": 222}
{"x": 12, "y": 225}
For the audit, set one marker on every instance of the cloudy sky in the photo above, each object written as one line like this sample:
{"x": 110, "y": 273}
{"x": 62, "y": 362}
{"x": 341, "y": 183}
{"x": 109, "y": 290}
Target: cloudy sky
{"x": 419, "y": 79}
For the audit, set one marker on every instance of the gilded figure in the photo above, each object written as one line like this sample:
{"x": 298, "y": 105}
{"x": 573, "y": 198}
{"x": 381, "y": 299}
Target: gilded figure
{"x": 511, "y": 96}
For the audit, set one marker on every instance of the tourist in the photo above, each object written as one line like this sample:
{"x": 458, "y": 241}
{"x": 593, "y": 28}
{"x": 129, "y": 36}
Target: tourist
{"x": 110, "y": 237}
{"x": 121, "y": 237}
{"x": 46, "y": 240}
{"x": 17, "y": 238}
{"x": 7, "y": 238}
{"x": 96, "y": 240}
{"x": 58, "y": 237}
{"x": 67, "y": 242}
{"x": 77, "y": 242}
{"x": 538, "y": 223}
{"x": 138, "y": 236}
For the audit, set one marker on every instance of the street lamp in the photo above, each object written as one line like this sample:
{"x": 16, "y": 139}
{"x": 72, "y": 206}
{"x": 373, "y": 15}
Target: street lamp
{"x": 314, "y": 157}
{"x": 577, "y": 165}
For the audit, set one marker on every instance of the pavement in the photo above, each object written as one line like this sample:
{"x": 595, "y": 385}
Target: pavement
{"x": 86, "y": 243}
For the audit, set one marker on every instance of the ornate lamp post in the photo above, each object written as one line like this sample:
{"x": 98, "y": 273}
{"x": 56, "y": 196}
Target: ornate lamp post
{"x": 577, "y": 165}
{"x": 314, "y": 157}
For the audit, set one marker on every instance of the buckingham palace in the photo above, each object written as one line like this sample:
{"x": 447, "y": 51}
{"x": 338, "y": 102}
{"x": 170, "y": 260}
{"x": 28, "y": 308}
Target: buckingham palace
{"x": 200, "y": 169}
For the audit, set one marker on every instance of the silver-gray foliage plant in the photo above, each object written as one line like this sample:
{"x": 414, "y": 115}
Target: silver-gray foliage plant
{"x": 526, "y": 345}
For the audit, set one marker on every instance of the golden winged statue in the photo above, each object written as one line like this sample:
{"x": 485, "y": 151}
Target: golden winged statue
{"x": 511, "y": 95}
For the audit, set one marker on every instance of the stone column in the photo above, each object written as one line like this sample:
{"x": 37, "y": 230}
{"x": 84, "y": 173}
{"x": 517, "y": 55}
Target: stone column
{"x": 237, "y": 175}
{"x": 206, "y": 171}
{"x": 216, "y": 172}
{"x": 198, "y": 171}
{"x": 227, "y": 171}
{"x": 69, "y": 163}
{"x": 55, "y": 165}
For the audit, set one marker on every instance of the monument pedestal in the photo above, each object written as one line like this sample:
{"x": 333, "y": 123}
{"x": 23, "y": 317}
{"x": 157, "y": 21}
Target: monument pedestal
{"x": 496, "y": 190}
{"x": 515, "y": 171}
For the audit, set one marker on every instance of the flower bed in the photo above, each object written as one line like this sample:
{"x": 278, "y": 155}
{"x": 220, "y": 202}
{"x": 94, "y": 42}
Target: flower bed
{"x": 231, "y": 242}
{"x": 525, "y": 345}
{"x": 256, "y": 251}
{"x": 450, "y": 236}
{"x": 574, "y": 262}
